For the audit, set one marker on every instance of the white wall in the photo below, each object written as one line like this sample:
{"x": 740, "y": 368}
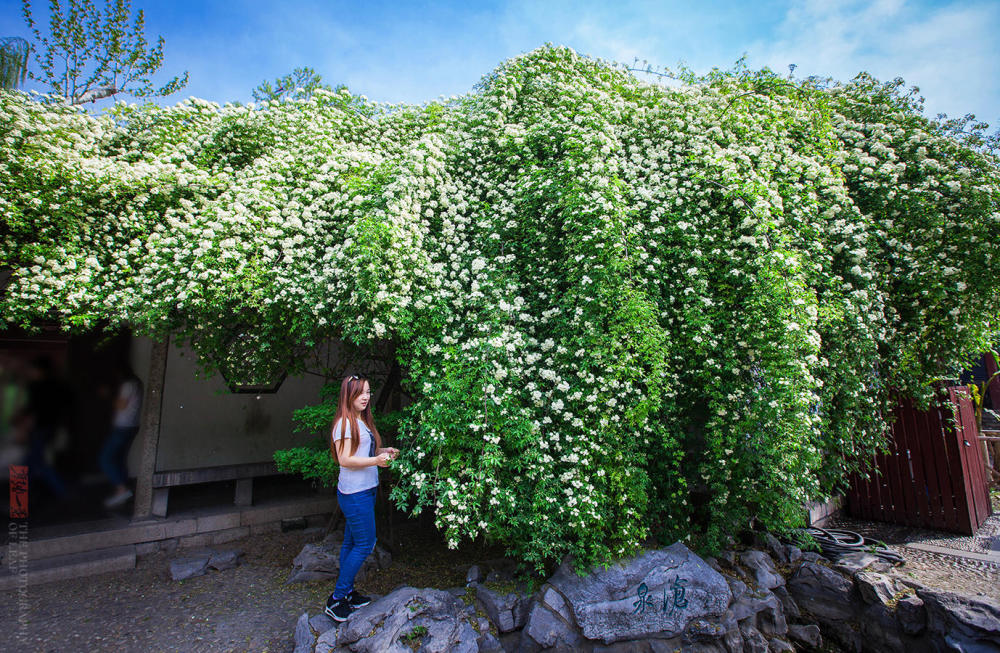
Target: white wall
{"x": 203, "y": 424}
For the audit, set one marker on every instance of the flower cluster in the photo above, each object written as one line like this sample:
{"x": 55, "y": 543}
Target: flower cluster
{"x": 623, "y": 309}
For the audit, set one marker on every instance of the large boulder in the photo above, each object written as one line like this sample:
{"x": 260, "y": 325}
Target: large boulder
{"x": 822, "y": 592}
{"x": 656, "y": 595}
{"x": 963, "y": 623}
{"x": 321, "y": 561}
{"x": 434, "y": 621}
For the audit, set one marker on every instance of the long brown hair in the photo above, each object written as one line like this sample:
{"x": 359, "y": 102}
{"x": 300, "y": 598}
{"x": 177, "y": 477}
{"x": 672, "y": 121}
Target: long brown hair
{"x": 351, "y": 389}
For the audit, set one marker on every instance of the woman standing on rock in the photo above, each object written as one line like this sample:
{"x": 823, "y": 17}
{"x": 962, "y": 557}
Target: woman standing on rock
{"x": 357, "y": 447}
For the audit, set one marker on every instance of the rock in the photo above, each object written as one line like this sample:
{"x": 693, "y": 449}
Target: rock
{"x": 224, "y": 559}
{"x": 771, "y": 620}
{"x": 778, "y": 645}
{"x": 852, "y": 563}
{"x": 733, "y": 640}
{"x": 880, "y": 630}
{"x": 964, "y": 623}
{"x": 807, "y": 635}
{"x": 511, "y": 642}
{"x": 822, "y": 592}
{"x": 198, "y": 562}
{"x": 474, "y": 575}
{"x": 847, "y": 637}
{"x": 666, "y": 646}
{"x": 507, "y": 610}
{"x": 737, "y": 587}
{"x": 548, "y": 630}
{"x": 788, "y": 605}
{"x": 434, "y": 619}
{"x": 995, "y": 543}
{"x": 911, "y": 615}
{"x": 728, "y": 558}
{"x": 327, "y": 642}
{"x": 753, "y": 641}
{"x": 753, "y": 602}
{"x": 879, "y": 567}
{"x": 304, "y": 638}
{"x": 793, "y": 553}
{"x": 812, "y": 556}
{"x": 763, "y": 569}
{"x": 776, "y": 548}
{"x": 875, "y": 588}
{"x": 555, "y": 602}
{"x": 189, "y": 566}
{"x": 654, "y": 595}
{"x": 703, "y": 630}
{"x": 321, "y": 561}
{"x": 488, "y": 643}
{"x": 321, "y": 623}
{"x": 761, "y": 609}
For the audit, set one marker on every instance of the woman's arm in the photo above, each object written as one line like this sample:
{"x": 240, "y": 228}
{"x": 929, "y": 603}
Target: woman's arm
{"x": 345, "y": 459}
{"x": 342, "y": 447}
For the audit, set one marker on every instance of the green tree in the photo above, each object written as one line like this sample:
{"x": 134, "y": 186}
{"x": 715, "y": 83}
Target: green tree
{"x": 90, "y": 54}
{"x": 13, "y": 61}
{"x": 300, "y": 84}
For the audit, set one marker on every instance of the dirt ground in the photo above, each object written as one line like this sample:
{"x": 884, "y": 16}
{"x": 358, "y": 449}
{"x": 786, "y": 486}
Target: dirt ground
{"x": 250, "y": 608}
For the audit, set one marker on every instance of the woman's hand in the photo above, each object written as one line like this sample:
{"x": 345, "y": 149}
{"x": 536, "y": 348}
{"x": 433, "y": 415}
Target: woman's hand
{"x": 392, "y": 451}
{"x": 382, "y": 459}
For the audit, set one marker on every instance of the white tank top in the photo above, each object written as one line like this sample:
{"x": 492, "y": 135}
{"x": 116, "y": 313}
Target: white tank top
{"x": 356, "y": 480}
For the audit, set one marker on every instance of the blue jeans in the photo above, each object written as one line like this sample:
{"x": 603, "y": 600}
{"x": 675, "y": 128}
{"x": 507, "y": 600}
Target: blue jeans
{"x": 114, "y": 451}
{"x": 359, "y": 537}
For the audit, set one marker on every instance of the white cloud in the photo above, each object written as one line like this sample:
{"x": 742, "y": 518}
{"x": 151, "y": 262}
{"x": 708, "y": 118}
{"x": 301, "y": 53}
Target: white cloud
{"x": 950, "y": 52}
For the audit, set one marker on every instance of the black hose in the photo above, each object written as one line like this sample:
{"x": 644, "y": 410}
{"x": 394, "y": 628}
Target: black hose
{"x": 835, "y": 542}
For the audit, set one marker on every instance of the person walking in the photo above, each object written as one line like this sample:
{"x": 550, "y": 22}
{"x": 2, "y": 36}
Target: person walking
{"x": 124, "y": 426}
{"x": 357, "y": 447}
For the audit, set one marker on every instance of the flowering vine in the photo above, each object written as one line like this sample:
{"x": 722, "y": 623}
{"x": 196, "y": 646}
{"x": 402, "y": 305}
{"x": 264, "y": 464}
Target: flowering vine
{"x": 622, "y": 308}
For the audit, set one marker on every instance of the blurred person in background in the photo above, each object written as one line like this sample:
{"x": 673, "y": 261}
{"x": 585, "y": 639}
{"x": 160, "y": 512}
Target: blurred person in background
{"x": 124, "y": 426}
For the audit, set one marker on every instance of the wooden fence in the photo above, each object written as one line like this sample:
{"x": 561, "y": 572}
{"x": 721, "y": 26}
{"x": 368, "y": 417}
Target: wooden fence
{"x": 933, "y": 475}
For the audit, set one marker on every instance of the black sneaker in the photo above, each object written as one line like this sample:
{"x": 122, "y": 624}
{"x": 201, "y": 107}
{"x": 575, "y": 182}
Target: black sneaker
{"x": 338, "y": 610}
{"x": 358, "y": 600}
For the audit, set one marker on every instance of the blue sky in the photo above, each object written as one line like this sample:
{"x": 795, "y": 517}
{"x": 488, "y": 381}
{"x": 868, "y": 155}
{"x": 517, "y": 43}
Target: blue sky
{"x": 415, "y": 51}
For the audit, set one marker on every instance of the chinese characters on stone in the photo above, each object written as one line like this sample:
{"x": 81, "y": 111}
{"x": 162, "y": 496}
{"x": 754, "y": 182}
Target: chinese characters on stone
{"x": 669, "y": 605}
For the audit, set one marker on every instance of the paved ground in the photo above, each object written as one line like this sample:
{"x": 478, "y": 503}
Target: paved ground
{"x": 949, "y": 572}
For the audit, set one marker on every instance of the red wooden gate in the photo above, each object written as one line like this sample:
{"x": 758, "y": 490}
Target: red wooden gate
{"x": 932, "y": 475}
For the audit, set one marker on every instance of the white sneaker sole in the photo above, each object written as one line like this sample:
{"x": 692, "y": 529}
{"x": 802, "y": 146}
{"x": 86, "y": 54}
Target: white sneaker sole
{"x": 117, "y": 500}
{"x": 330, "y": 614}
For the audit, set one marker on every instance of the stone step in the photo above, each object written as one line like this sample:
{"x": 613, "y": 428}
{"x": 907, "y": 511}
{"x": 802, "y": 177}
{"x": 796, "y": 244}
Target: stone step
{"x": 16, "y": 573}
{"x": 237, "y": 522}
